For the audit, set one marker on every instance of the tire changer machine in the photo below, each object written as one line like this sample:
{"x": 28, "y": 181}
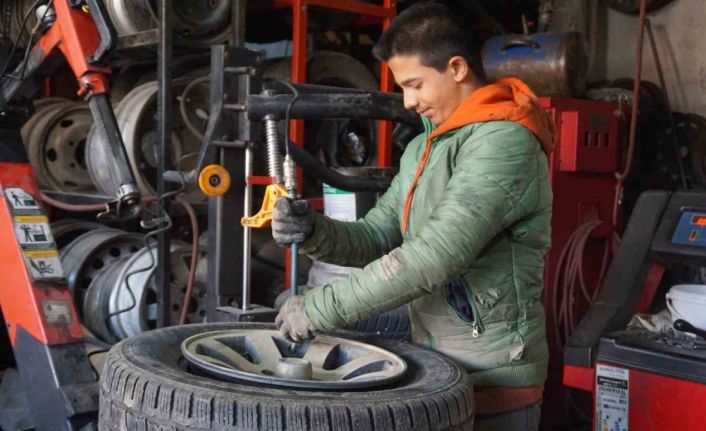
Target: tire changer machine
{"x": 641, "y": 379}
{"x": 54, "y": 374}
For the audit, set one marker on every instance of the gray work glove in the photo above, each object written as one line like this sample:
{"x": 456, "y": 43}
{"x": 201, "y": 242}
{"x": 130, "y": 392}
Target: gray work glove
{"x": 292, "y": 321}
{"x": 292, "y": 221}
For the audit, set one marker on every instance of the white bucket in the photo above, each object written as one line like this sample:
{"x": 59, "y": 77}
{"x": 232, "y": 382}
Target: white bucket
{"x": 688, "y": 302}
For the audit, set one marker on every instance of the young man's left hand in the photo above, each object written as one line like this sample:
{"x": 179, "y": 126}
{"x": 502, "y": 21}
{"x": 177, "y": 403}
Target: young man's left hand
{"x": 292, "y": 321}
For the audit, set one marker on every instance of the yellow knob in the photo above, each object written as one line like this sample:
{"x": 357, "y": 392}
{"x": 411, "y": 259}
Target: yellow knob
{"x": 214, "y": 180}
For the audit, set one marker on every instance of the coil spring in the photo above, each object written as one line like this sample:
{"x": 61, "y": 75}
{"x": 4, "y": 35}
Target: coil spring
{"x": 274, "y": 158}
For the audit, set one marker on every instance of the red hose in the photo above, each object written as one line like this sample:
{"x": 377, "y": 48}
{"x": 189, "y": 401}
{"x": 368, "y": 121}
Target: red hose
{"x": 83, "y": 207}
{"x": 194, "y": 257}
{"x": 569, "y": 279}
{"x": 71, "y": 207}
{"x": 147, "y": 199}
{"x": 621, "y": 176}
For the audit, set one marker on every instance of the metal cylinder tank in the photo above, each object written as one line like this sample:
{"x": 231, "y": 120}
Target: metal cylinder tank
{"x": 552, "y": 64}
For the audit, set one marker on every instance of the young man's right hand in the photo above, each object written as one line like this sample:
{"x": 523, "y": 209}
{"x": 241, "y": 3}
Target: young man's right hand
{"x": 292, "y": 221}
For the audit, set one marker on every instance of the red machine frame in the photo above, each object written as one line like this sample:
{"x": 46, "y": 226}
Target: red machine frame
{"x": 385, "y": 12}
{"x": 20, "y": 297}
{"x": 581, "y": 173}
{"x": 56, "y": 376}
{"x": 652, "y": 381}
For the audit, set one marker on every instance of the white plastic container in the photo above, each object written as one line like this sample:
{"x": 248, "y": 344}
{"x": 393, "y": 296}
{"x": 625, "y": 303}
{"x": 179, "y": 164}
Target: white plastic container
{"x": 688, "y": 302}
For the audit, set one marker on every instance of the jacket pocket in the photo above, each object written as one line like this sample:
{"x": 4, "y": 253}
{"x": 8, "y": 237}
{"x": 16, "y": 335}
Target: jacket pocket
{"x": 462, "y": 303}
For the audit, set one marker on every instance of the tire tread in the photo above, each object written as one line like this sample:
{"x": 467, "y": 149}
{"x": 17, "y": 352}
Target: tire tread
{"x": 132, "y": 399}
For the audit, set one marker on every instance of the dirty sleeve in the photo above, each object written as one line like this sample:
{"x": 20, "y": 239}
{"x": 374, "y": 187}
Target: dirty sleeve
{"x": 360, "y": 242}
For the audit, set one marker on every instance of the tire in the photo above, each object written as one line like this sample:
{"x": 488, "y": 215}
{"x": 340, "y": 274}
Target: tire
{"x": 144, "y": 387}
{"x": 392, "y": 324}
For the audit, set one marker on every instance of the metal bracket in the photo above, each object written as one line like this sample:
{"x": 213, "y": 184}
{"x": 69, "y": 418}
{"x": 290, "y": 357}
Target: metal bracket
{"x": 105, "y": 29}
{"x": 256, "y": 313}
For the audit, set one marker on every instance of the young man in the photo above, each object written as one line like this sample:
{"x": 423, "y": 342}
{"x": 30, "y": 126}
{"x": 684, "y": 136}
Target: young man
{"x": 462, "y": 232}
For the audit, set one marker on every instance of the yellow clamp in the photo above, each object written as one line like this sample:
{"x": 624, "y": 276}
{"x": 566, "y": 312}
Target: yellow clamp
{"x": 263, "y": 218}
{"x": 214, "y": 180}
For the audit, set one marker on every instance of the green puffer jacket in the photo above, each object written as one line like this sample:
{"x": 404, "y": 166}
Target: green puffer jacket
{"x": 481, "y": 216}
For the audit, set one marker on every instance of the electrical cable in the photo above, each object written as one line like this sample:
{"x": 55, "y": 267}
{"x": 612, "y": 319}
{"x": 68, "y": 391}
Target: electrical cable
{"x": 93, "y": 367}
{"x": 19, "y": 35}
{"x": 31, "y": 36}
{"x": 287, "y": 113}
{"x": 167, "y": 224}
{"x": 200, "y": 80}
{"x": 19, "y": 18}
{"x": 149, "y": 199}
{"x": 569, "y": 280}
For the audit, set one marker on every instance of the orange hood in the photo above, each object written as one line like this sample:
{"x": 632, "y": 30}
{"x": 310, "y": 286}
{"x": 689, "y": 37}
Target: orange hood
{"x": 507, "y": 99}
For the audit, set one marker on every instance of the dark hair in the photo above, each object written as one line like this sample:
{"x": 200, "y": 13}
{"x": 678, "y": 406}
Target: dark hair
{"x": 431, "y": 31}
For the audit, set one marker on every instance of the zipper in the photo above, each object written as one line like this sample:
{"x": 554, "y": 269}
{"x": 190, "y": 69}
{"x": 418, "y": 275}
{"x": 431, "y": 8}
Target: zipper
{"x": 452, "y": 298}
{"x": 477, "y": 325}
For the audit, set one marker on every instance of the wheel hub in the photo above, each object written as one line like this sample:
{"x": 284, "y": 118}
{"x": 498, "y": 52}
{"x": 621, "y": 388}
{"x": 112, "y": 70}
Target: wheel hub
{"x": 264, "y": 356}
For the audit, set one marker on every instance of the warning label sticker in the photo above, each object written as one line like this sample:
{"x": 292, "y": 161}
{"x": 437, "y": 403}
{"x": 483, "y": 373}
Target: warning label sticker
{"x": 34, "y": 236}
{"x": 44, "y": 264}
{"x": 612, "y": 398}
{"x": 20, "y": 200}
{"x": 33, "y": 232}
{"x": 57, "y": 312}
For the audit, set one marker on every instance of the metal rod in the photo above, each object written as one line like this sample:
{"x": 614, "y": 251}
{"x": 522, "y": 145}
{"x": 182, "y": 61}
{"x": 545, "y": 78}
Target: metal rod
{"x": 237, "y": 22}
{"x": 247, "y": 212}
{"x": 384, "y": 150}
{"x": 290, "y": 183}
{"x": 107, "y": 126}
{"x": 294, "y": 270}
{"x": 164, "y": 127}
{"x": 374, "y": 105}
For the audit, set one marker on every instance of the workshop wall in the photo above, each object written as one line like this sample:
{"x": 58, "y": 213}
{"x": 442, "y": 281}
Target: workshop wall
{"x": 679, "y": 34}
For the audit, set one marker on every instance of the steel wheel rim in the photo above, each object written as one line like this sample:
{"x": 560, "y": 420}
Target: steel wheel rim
{"x": 264, "y": 356}
{"x": 128, "y": 17}
{"x": 62, "y": 146}
{"x": 194, "y": 26}
{"x": 132, "y": 16}
{"x": 85, "y": 257}
{"x": 67, "y": 230}
{"x": 96, "y": 305}
{"x": 131, "y": 317}
{"x": 32, "y": 135}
